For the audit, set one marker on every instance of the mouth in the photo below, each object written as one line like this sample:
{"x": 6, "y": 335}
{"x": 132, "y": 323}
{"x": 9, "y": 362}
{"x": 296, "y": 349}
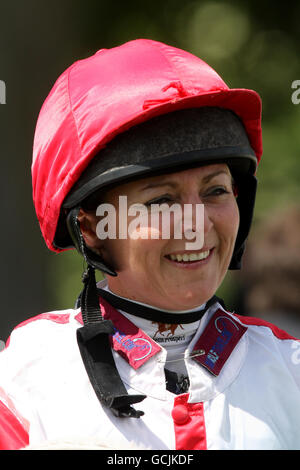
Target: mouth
{"x": 195, "y": 259}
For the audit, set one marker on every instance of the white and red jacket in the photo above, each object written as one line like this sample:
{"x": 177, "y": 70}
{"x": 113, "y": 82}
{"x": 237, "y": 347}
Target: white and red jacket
{"x": 244, "y": 390}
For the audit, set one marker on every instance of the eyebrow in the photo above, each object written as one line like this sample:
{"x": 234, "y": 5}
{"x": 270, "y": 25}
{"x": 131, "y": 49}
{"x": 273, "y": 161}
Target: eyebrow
{"x": 206, "y": 179}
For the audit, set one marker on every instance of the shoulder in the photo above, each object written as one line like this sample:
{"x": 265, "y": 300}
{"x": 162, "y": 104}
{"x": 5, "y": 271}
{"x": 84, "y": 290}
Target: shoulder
{"x": 37, "y": 337}
{"x": 43, "y": 320}
{"x": 59, "y": 317}
{"x": 265, "y": 327}
{"x": 272, "y": 343}
{"x": 33, "y": 347}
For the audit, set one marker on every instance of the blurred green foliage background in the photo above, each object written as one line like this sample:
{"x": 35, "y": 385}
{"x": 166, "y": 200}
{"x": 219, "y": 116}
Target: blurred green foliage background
{"x": 251, "y": 44}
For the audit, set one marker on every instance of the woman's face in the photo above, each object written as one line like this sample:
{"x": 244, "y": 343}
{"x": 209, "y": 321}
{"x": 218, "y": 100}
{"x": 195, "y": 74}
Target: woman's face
{"x": 157, "y": 271}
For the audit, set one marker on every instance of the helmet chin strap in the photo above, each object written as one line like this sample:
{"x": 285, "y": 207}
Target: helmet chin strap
{"x": 90, "y": 256}
{"x": 93, "y": 337}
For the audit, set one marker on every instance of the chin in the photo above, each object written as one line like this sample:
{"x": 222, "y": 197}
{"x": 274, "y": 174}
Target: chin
{"x": 192, "y": 299}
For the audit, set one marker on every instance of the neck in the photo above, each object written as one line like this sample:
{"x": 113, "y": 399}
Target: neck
{"x": 151, "y": 313}
{"x": 199, "y": 307}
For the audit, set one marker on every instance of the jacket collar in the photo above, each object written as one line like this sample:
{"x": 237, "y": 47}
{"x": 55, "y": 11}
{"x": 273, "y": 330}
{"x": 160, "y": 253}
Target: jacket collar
{"x": 213, "y": 358}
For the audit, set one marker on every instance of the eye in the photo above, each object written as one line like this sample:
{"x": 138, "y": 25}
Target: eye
{"x": 217, "y": 192}
{"x": 159, "y": 200}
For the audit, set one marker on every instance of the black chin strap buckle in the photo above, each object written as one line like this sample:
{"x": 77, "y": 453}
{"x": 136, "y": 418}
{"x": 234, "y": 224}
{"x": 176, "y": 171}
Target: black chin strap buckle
{"x": 127, "y": 412}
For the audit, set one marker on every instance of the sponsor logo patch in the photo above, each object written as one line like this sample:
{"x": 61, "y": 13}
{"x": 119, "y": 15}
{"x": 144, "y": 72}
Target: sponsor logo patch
{"x": 128, "y": 340}
{"x": 218, "y": 340}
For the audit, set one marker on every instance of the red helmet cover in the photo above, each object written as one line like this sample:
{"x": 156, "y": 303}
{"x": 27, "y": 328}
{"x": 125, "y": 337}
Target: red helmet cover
{"x": 101, "y": 96}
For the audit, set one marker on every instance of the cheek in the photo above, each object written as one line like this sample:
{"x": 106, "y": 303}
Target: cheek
{"x": 143, "y": 232}
{"x": 227, "y": 223}
{"x": 236, "y": 217}
{"x": 144, "y": 242}
{"x": 136, "y": 255}
{"x": 232, "y": 222}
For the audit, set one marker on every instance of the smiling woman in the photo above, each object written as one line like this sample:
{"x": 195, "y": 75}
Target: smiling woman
{"x": 148, "y": 128}
{"x": 163, "y": 272}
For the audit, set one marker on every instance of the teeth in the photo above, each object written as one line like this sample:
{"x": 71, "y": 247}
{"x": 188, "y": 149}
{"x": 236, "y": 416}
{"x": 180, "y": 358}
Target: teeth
{"x": 190, "y": 257}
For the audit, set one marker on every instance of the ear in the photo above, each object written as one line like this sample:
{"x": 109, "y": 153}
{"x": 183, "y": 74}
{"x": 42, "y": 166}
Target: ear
{"x": 88, "y": 222}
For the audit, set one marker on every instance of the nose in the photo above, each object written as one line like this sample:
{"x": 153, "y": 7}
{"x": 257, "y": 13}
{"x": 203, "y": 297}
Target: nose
{"x": 198, "y": 214}
{"x": 196, "y": 223}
